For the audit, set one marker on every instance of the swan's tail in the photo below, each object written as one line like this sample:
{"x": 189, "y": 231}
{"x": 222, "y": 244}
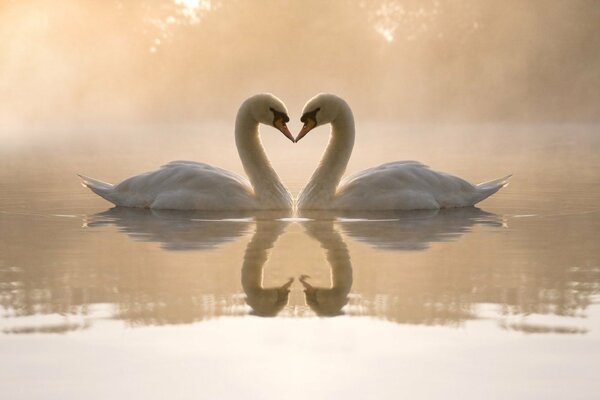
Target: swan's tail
{"x": 102, "y": 189}
{"x": 486, "y": 189}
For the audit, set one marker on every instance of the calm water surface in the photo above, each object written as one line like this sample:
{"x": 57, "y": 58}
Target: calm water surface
{"x": 499, "y": 301}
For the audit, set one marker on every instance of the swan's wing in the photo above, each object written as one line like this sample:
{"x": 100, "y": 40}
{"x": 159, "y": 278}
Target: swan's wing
{"x": 383, "y": 168}
{"x": 185, "y": 185}
{"x": 208, "y": 167}
{"x": 403, "y": 185}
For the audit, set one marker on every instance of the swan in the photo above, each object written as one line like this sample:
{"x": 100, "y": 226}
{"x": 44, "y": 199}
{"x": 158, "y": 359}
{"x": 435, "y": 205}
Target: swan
{"x": 399, "y": 185}
{"x": 189, "y": 185}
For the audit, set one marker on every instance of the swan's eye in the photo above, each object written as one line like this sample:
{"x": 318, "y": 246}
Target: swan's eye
{"x": 278, "y": 115}
{"x": 311, "y": 115}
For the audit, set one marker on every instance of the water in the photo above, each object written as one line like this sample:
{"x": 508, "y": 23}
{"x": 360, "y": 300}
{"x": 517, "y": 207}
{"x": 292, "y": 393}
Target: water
{"x": 497, "y": 301}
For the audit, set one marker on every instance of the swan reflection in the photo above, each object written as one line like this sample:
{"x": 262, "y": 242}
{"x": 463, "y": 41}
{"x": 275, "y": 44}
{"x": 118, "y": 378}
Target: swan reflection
{"x": 176, "y": 230}
{"x": 213, "y": 264}
{"x": 198, "y": 230}
{"x": 413, "y": 231}
{"x": 409, "y": 230}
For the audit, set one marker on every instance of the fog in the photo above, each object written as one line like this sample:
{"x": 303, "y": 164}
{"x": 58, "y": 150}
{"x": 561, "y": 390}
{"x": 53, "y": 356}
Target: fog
{"x": 70, "y": 62}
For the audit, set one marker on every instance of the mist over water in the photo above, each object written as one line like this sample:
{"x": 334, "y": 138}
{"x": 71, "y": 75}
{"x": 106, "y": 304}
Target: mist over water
{"x": 115, "y": 62}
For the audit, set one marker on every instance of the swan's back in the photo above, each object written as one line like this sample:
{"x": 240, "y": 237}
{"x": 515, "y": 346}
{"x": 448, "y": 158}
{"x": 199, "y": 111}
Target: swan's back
{"x": 409, "y": 185}
{"x": 182, "y": 185}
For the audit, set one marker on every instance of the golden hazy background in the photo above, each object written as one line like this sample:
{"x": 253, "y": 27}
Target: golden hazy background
{"x": 66, "y": 62}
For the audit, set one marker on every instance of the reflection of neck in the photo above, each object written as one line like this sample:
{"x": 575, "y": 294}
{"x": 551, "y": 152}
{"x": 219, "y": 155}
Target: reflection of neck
{"x": 329, "y": 301}
{"x": 338, "y": 258}
{"x": 264, "y": 301}
{"x": 322, "y": 186}
{"x": 256, "y": 254}
{"x": 266, "y": 183}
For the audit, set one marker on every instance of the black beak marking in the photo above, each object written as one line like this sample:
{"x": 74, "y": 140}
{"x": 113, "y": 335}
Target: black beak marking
{"x": 312, "y": 115}
{"x": 279, "y": 115}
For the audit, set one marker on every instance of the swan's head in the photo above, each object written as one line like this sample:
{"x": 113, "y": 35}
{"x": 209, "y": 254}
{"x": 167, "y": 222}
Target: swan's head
{"x": 320, "y": 110}
{"x": 324, "y": 301}
{"x": 269, "y": 110}
{"x": 268, "y": 302}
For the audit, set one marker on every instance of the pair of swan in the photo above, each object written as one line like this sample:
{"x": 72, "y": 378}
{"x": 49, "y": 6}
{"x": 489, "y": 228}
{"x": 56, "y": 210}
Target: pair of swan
{"x": 189, "y": 185}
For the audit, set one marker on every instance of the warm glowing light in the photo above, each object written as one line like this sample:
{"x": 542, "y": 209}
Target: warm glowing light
{"x": 189, "y": 4}
{"x": 187, "y": 12}
{"x": 191, "y": 8}
{"x": 393, "y": 20}
{"x": 387, "y": 15}
{"x": 386, "y": 32}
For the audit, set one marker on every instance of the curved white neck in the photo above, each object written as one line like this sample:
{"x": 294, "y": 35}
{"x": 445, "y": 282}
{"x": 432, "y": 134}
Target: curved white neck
{"x": 266, "y": 183}
{"x": 321, "y": 187}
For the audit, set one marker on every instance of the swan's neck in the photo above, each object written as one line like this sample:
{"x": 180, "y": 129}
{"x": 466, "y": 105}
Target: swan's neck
{"x": 268, "y": 189}
{"x": 322, "y": 186}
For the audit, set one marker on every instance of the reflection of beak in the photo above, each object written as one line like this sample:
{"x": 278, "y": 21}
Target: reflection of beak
{"x": 302, "y": 279}
{"x": 288, "y": 284}
{"x": 308, "y": 126}
{"x": 279, "y": 124}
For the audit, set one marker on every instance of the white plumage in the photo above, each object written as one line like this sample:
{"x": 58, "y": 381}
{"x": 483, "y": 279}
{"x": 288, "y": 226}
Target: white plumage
{"x": 399, "y": 185}
{"x": 189, "y": 185}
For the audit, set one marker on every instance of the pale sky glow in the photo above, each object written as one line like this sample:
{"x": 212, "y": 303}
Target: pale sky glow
{"x": 403, "y": 59}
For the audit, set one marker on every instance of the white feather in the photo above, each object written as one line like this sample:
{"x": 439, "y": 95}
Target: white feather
{"x": 190, "y": 185}
{"x": 399, "y": 185}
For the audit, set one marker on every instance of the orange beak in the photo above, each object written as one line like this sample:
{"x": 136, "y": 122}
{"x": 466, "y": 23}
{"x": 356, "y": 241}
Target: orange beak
{"x": 308, "y": 126}
{"x": 282, "y": 127}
